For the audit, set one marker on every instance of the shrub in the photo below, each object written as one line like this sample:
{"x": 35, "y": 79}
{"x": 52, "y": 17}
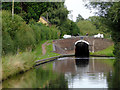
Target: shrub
{"x": 43, "y": 32}
{"x": 24, "y": 38}
{"x": 19, "y": 36}
{"x": 16, "y": 33}
{"x": 117, "y": 50}
{"x": 7, "y": 43}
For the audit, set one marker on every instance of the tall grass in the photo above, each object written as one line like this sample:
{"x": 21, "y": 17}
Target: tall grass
{"x": 13, "y": 64}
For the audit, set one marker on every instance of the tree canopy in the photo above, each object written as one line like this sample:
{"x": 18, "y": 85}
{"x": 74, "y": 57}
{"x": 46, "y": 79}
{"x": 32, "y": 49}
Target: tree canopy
{"x": 86, "y": 26}
{"x": 110, "y": 11}
{"x": 56, "y": 14}
{"x": 98, "y": 22}
{"x": 79, "y": 18}
{"x": 29, "y": 10}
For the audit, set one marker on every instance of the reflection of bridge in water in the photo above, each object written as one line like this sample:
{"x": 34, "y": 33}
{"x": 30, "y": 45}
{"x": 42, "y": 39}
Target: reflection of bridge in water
{"x": 64, "y": 46}
{"x": 83, "y": 73}
{"x": 87, "y": 66}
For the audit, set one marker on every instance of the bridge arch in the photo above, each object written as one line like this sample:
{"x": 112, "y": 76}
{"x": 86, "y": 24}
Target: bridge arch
{"x": 81, "y": 48}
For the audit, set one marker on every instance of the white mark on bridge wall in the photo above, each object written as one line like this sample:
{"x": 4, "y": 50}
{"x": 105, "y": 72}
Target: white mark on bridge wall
{"x": 93, "y": 46}
{"x": 54, "y": 47}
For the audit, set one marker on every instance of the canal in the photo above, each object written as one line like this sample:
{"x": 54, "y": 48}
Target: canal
{"x": 69, "y": 72}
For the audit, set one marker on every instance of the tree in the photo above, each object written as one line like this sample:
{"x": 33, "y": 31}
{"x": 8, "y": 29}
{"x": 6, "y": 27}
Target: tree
{"x": 69, "y": 27}
{"x": 16, "y": 33}
{"x": 110, "y": 11}
{"x": 58, "y": 17}
{"x": 74, "y": 29}
{"x": 57, "y": 14}
{"x": 98, "y": 22}
{"x": 28, "y": 10}
{"x": 87, "y": 27}
{"x": 95, "y": 20}
{"x": 79, "y": 18}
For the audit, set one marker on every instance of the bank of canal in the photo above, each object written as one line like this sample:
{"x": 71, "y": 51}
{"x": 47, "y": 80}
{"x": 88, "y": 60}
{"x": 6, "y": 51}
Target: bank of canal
{"x": 67, "y": 73}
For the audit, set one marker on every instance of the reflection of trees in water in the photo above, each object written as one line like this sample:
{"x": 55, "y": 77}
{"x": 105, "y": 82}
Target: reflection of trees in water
{"x": 59, "y": 82}
{"x": 46, "y": 78}
{"x": 25, "y": 80}
{"x": 36, "y": 78}
{"x": 113, "y": 78}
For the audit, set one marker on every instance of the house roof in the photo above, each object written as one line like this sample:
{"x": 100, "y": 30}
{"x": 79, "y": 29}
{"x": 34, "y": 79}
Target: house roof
{"x": 45, "y": 19}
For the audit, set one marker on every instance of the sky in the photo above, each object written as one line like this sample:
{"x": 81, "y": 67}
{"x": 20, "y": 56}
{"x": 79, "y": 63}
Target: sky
{"x": 77, "y": 7}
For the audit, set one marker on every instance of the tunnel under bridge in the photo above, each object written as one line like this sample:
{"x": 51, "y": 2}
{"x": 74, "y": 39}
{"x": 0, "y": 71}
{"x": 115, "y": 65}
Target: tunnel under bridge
{"x": 81, "y": 48}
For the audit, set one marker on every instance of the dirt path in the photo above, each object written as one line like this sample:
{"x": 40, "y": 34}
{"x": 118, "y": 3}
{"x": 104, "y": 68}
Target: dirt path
{"x": 44, "y": 48}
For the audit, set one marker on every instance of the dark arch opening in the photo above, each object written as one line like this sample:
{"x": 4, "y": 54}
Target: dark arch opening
{"x": 81, "y": 49}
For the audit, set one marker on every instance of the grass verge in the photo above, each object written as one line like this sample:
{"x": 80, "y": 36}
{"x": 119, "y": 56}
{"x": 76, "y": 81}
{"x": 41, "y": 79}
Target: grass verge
{"x": 14, "y": 64}
{"x": 49, "y": 53}
{"x": 106, "y": 52}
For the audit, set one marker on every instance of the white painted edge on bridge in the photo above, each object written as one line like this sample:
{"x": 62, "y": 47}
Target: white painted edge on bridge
{"x": 81, "y": 41}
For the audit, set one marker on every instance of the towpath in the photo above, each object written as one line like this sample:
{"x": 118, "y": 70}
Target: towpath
{"x": 44, "y": 48}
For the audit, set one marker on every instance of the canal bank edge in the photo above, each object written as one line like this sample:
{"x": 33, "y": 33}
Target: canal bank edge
{"x": 52, "y": 59}
{"x": 43, "y": 61}
{"x": 39, "y": 62}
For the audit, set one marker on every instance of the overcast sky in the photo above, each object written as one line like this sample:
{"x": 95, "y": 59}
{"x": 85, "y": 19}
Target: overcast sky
{"x": 77, "y": 7}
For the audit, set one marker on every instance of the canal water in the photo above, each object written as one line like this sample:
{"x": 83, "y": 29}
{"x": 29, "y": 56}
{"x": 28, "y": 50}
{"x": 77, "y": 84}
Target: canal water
{"x": 69, "y": 72}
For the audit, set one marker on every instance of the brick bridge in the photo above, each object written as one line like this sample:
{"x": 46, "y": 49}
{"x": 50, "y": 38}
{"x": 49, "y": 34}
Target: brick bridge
{"x": 66, "y": 46}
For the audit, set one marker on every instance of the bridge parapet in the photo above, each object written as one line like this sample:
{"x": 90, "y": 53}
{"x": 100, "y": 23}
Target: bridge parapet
{"x": 95, "y": 44}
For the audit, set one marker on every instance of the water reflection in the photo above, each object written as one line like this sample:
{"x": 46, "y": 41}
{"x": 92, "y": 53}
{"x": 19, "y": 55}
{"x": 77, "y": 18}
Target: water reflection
{"x": 84, "y": 73}
{"x": 26, "y": 80}
{"x": 41, "y": 77}
{"x": 69, "y": 72}
{"x": 113, "y": 78}
{"x": 81, "y": 62}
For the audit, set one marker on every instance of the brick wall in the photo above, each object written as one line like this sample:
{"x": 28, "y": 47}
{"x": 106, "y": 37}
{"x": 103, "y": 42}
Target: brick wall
{"x": 66, "y": 46}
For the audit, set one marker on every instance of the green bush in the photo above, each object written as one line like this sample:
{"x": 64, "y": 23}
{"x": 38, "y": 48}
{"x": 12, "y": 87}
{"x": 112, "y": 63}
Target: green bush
{"x": 16, "y": 33}
{"x": 43, "y": 32}
{"x": 117, "y": 50}
{"x": 19, "y": 36}
{"x": 25, "y": 38}
{"x": 7, "y": 43}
